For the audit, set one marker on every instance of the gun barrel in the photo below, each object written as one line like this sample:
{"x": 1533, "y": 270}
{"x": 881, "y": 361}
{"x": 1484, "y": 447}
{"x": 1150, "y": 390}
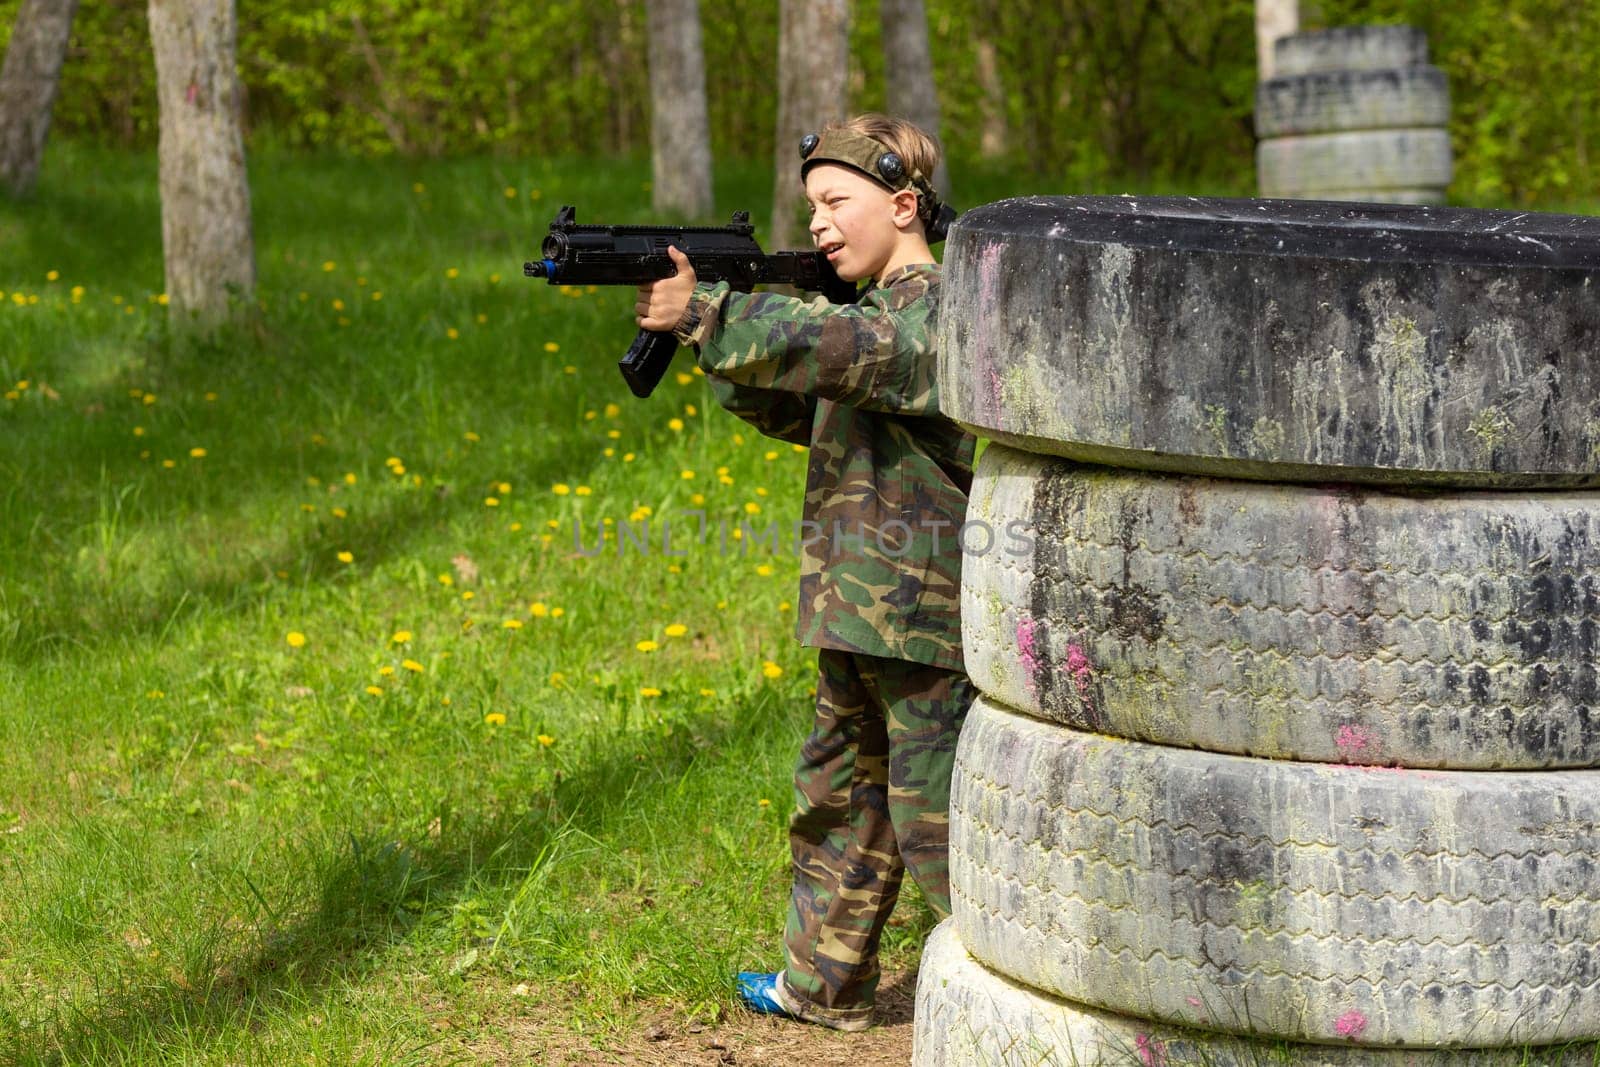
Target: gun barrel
{"x": 539, "y": 268}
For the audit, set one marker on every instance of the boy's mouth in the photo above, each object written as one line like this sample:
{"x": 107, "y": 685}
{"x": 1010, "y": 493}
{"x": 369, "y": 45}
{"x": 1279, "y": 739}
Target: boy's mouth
{"x": 832, "y": 249}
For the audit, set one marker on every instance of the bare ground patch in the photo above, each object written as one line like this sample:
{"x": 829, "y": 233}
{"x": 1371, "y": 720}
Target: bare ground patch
{"x": 668, "y": 1039}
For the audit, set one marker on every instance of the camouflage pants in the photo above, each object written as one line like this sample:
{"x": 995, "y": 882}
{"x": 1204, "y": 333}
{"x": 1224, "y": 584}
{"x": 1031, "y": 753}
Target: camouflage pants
{"x": 872, "y": 794}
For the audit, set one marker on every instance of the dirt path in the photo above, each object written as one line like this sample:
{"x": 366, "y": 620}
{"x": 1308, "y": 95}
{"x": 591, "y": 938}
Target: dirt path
{"x": 666, "y": 1041}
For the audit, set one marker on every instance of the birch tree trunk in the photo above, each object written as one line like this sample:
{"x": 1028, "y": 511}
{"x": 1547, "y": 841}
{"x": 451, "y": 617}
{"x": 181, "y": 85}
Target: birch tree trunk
{"x": 813, "y": 59}
{"x": 1274, "y": 19}
{"x": 908, "y": 72}
{"x": 680, "y": 130}
{"x": 28, "y": 82}
{"x": 205, "y": 191}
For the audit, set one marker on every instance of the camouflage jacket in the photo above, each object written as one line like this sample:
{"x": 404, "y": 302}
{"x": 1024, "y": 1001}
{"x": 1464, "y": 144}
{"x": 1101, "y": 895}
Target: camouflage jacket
{"x": 888, "y": 477}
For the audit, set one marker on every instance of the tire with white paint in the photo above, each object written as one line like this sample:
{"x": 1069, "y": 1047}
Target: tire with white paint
{"x": 1330, "y": 624}
{"x": 1385, "y": 908}
{"x": 1343, "y": 100}
{"x": 969, "y": 1016}
{"x": 1349, "y": 48}
{"x": 1279, "y": 340}
{"x": 1303, "y": 166}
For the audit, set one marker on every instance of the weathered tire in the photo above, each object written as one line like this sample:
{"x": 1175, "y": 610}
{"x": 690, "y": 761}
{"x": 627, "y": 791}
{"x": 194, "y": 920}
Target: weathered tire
{"x": 1349, "y": 48}
{"x": 1341, "y": 100}
{"x": 1311, "y": 902}
{"x": 968, "y": 1016}
{"x": 1363, "y": 159}
{"x": 1282, "y": 340}
{"x": 1324, "y": 624}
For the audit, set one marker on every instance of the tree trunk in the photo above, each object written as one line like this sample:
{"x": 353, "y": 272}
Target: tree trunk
{"x": 205, "y": 191}
{"x": 28, "y": 83}
{"x": 680, "y": 130}
{"x": 994, "y": 141}
{"x": 908, "y": 71}
{"x": 1274, "y": 19}
{"x": 813, "y": 62}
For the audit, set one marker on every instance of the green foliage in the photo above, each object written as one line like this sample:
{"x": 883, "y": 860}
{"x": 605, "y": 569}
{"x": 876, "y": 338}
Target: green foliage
{"x": 1079, "y": 92}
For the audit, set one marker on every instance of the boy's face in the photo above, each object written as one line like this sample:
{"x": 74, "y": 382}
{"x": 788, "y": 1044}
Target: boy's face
{"x": 853, "y": 219}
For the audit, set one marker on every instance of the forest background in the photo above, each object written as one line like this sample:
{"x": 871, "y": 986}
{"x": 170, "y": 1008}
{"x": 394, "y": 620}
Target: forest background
{"x": 1078, "y": 92}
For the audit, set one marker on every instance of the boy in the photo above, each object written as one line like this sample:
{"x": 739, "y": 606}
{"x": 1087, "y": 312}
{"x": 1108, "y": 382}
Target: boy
{"x": 886, "y": 493}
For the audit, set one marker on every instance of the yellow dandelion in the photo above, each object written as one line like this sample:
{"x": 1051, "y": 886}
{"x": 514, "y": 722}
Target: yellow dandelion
{"x": 556, "y": 613}
{"x": 413, "y": 666}
{"x": 386, "y": 671}
{"x": 511, "y": 192}
{"x": 494, "y": 279}
{"x": 512, "y": 624}
{"x": 495, "y": 718}
{"x": 627, "y": 457}
{"x": 515, "y": 527}
{"x": 763, "y": 803}
{"x": 690, "y": 410}
{"x": 338, "y": 305}
{"x": 401, "y": 637}
{"x": 697, "y": 499}
{"x": 453, "y": 272}
{"x": 785, "y": 606}
{"x": 770, "y": 456}
{"x": 686, "y": 475}
{"x": 52, "y": 275}
{"x": 752, "y": 508}
{"x": 491, "y": 501}
{"x": 677, "y": 629}
{"x": 375, "y": 690}
{"x": 452, "y": 333}
{"x": 149, "y": 398}
{"x": 169, "y": 463}
{"x": 338, "y": 513}
{"x": 557, "y": 678}
{"x": 468, "y": 595}
{"x": 376, "y": 295}
{"x": 347, "y": 557}
{"x": 418, "y": 187}
{"x": 446, "y": 580}
{"x": 503, "y": 488}
{"x": 546, "y": 740}
{"x": 470, "y": 436}
{"x": 649, "y": 691}
{"x": 800, "y": 448}
{"x": 647, "y": 646}
{"x": 583, "y": 490}
{"x": 538, "y": 609}
{"x": 551, "y": 346}
{"x": 211, "y": 398}
{"x": 138, "y": 431}
{"x": 561, "y": 489}
{"x": 307, "y": 508}
{"x": 569, "y": 369}
{"x": 614, "y": 434}
{"x": 684, "y": 379}
{"x": 296, "y": 639}
{"x": 197, "y": 453}
{"x": 613, "y": 410}
{"x": 770, "y": 669}
{"x": 328, "y": 266}
{"x": 765, "y": 570}
{"x": 675, "y": 425}
{"x": 708, "y": 692}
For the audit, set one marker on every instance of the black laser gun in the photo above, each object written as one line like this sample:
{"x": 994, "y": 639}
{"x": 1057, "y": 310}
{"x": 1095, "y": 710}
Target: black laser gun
{"x": 633, "y": 255}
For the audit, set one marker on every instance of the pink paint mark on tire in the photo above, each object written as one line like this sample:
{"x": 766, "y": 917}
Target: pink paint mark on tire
{"x": 1353, "y": 741}
{"x": 1081, "y": 669}
{"x": 1027, "y": 649}
{"x": 1350, "y": 1025}
{"x": 1152, "y": 1053}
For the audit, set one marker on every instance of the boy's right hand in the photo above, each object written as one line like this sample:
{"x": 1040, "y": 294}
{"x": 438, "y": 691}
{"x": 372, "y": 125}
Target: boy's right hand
{"x": 661, "y": 303}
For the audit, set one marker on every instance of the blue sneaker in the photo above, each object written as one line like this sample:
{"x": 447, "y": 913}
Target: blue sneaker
{"x": 763, "y": 994}
{"x": 759, "y": 993}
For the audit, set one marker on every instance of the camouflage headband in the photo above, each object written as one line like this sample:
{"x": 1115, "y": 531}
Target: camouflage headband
{"x": 872, "y": 158}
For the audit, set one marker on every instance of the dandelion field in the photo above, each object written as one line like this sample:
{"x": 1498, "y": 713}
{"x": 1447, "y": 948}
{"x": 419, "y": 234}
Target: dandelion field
{"x": 329, "y": 729}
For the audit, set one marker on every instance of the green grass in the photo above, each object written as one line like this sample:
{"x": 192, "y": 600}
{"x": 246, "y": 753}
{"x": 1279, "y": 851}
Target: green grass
{"x": 216, "y": 847}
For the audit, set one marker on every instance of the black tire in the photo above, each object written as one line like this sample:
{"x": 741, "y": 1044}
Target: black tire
{"x": 1279, "y": 340}
{"x": 1349, "y": 48}
{"x": 1323, "y": 624}
{"x": 966, "y": 1014}
{"x": 1431, "y": 909}
{"x": 1344, "y": 100}
{"x": 1305, "y": 165}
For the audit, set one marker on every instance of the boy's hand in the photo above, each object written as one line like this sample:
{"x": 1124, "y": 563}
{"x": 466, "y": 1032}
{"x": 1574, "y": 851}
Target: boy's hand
{"x": 662, "y": 303}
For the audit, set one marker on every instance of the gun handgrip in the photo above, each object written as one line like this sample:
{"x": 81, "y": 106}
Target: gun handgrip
{"x": 647, "y": 360}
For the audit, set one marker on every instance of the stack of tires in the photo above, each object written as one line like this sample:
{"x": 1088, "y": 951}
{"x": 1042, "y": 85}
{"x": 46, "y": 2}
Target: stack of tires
{"x": 1282, "y": 592}
{"x": 1354, "y": 114}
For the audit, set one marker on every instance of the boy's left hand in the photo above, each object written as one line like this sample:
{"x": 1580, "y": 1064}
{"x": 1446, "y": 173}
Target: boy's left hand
{"x": 662, "y": 303}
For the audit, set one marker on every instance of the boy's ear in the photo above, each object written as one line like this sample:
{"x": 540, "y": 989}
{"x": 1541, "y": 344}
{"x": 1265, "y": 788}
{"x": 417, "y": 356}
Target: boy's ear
{"x": 905, "y": 208}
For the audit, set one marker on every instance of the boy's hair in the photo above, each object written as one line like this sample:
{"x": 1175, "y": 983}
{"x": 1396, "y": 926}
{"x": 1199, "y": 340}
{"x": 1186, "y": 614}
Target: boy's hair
{"x": 918, "y": 149}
